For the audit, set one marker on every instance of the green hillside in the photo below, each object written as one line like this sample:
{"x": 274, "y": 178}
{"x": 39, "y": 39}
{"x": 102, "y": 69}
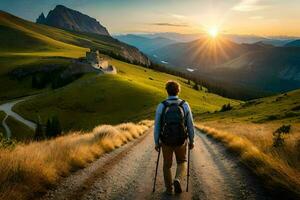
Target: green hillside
{"x": 283, "y": 108}
{"x": 21, "y": 37}
{"x": 29, "y": 45}
{"x": 131, "y": 95}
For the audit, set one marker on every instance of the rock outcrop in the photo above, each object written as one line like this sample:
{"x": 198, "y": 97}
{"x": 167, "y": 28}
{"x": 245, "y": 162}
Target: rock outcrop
{"x": 66, "y": 18}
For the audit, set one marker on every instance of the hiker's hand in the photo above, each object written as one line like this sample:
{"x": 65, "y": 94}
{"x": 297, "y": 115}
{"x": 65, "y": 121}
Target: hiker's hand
{"x": 157, "y": 147}
{"x": 191, "y": 145}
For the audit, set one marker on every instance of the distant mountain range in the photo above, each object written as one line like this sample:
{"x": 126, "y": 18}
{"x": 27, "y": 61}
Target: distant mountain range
{"x": 258, "y": 65}
{"x": 145, "y": 44}
{"x": 68, "y": 19}
{"x": 295, "y": 43}
{"x": 182, "y": 38}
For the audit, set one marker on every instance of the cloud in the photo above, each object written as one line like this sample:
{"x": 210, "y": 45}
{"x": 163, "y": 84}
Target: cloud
{"x": 248, "y": 6}
{"x": 170, "y": 24}
{"x": 177, "y": 16}
{"x": 256, "y": 17}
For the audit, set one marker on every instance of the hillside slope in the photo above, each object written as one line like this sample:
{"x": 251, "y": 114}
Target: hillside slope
{"x": 131, "y": 95}
{"x": 29, "y": 45}
{"x": 283, "y": 108}
{"x": 40, "y": 40}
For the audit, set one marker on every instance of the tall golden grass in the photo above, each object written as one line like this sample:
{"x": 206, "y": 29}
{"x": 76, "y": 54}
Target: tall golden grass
{"x": 31, "y": 168}
{"x": 275, "y": 169}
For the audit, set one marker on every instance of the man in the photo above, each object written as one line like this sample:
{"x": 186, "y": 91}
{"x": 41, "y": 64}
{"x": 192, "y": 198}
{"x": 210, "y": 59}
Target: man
{"x": 173, "y": 127}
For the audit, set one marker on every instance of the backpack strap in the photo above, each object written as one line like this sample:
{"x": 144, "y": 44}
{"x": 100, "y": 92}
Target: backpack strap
{"x": 165, "y": 104}
{"x": 181, "y": 105}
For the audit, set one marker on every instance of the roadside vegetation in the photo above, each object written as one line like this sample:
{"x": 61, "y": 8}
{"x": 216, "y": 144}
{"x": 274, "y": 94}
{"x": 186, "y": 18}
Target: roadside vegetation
{"x": 265, "y": 133}
{"x": 278, "y": 167}
{"x": 28, "y": 169}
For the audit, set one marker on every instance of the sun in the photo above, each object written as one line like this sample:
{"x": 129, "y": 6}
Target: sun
{"x": 213, "y": 32}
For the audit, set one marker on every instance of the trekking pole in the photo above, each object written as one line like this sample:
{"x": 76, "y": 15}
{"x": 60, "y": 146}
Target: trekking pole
{"x": 157, "y": 162}
{"x": 188, "y": 170}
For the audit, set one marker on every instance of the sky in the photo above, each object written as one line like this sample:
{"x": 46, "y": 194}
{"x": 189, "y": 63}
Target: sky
{"x": 250, "y": 17}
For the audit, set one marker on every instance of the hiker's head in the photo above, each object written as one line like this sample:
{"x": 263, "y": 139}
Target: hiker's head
{"x": 173, "y": 88}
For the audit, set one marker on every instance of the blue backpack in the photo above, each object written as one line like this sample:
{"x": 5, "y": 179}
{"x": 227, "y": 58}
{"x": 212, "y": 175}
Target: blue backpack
{"x": 173, "y": 124}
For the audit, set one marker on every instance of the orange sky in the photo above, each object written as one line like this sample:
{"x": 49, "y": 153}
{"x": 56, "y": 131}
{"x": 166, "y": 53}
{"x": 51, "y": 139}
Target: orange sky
{"x": 258, "y": 17}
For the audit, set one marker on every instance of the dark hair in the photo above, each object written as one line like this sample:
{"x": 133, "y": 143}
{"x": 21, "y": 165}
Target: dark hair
{"x": 173, "y": 88}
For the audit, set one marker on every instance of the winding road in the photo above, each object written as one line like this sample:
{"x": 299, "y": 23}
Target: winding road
{"x": 7, "y": 108}
{"x": 127, "y": 173}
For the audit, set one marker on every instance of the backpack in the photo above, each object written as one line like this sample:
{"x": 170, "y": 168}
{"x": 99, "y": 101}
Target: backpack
{"x": 173, "y": 126}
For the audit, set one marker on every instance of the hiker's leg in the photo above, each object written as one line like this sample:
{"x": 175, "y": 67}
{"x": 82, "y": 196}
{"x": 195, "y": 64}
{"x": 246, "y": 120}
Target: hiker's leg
{"x": 181, "y": 160}
{"x": 168, "y": 157}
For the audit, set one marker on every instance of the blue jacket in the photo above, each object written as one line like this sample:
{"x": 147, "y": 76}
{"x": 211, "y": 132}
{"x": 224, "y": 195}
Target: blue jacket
{"x": 188, "y": 115}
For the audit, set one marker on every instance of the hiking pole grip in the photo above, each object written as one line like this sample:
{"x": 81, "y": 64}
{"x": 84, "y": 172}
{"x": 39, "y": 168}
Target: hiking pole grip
{"x": 188, "y": 169}
{"x": 157, "y": 162}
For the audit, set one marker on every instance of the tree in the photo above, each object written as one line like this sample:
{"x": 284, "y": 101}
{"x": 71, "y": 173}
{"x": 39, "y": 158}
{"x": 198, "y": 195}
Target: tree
{"x": 39, "y": 132}
{"x": 53, "y": 127}
{"x": 56, "y": 126}
{"x": 226, "y": 107}
{"x": 34, "y": 81}
{"x": 196, "y": 87}
{"x": 49, "y": 129}
{"x": 278, "y": 135}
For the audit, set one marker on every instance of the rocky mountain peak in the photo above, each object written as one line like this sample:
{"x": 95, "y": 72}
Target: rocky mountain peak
{"x": 66, "y": 18}
{"x": 41, "y": 19}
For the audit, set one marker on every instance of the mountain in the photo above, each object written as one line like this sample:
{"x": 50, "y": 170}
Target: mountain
{"x": 258, "y": 66}
{"x": 145, "y": 44}
{"x": 179, "y": 37}
{"x": 240, "y": 39}
{"x": 42, "y": 40}
{"x": 202, "y": 53}
{"x": 68, "y": 19}
{"x": 295, "y": 43}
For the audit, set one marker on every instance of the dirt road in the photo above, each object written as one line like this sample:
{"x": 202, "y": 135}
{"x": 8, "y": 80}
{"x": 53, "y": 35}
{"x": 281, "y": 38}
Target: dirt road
{"x": 7, "y": 108}
{"x": 127, "y": 173}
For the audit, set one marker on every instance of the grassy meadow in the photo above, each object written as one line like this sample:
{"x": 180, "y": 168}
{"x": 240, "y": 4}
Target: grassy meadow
{"x": 28, "y": 170}
{"x": 131, "y": 95}
{"x": 282, "y": 108}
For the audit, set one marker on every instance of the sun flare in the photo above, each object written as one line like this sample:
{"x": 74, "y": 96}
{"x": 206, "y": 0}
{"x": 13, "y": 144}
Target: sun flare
{"x": 213, "y": 31}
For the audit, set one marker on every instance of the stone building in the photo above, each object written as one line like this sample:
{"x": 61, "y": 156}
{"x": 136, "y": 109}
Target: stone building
{"x": 96, "y": 60}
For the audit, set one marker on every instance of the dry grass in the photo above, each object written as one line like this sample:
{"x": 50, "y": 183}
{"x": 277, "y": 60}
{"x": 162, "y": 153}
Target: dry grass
{"x": 31, "y": 168}
{"x": 279, "y": 169}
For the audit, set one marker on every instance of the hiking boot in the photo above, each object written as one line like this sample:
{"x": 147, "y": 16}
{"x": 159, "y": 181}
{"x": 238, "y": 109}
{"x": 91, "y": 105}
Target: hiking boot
{"x": 177, "y": 186}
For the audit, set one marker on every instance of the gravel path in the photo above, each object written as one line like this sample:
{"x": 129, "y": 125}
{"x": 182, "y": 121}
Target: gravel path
{"x": 127, "y": 173}
{"x": 7, "y": 108}
{"x": 6, "y": 128}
